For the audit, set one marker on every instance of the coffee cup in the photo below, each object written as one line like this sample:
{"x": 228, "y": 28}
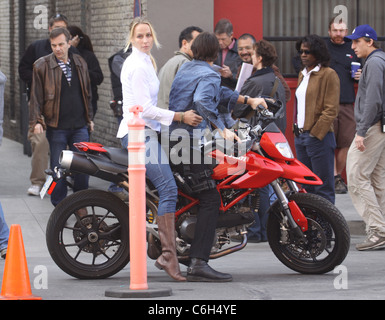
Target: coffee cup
{"x": 355, "y": 67}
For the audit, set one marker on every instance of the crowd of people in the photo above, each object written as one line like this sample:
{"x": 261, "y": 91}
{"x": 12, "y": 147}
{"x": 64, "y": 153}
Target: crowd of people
{"x": 195, "y": 89}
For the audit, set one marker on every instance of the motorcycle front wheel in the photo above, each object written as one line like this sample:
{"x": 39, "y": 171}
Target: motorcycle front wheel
{"x": 88, "y": 234}
{"x": 327, "y": 239}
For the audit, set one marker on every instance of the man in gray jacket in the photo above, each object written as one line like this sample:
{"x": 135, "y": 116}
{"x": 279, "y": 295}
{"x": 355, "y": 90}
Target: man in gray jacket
{"x": 169, "y": 70}
{"x": 366, "y": 157}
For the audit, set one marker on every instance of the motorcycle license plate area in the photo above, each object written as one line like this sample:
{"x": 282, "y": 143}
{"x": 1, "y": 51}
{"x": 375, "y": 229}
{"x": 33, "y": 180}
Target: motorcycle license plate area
{"x": 48, "y": 187}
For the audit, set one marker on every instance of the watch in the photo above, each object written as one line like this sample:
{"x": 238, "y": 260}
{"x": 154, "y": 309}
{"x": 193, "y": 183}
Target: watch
{"x": 246, "y": 99}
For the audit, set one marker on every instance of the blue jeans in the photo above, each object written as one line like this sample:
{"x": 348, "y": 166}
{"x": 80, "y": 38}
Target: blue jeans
{"x": 318, "y": 156}
{"x": 59, "y": 140}
{"x": 4, "y": 231}
{"x": 159, "y": 172}
{"x": 258, "y": 228}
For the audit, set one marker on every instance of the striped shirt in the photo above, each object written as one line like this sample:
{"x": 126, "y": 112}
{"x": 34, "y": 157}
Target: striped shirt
{"x": 66, "y": 67}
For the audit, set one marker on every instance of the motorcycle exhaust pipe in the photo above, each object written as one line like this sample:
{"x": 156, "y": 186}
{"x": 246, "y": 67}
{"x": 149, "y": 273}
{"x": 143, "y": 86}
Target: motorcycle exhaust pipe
{"x": 90, "y": 164}
{"x": 97, "y": 166}
{"x": 77, "y": 162}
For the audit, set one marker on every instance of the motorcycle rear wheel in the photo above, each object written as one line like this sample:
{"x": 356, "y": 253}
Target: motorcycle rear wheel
{"x": 88, "y": 235}
{"x": 327, "y": 235}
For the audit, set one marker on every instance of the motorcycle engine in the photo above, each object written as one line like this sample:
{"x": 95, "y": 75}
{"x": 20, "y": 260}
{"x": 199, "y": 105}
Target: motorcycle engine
{"x": 230, "y": 224}
{"x": 186, "y": 227}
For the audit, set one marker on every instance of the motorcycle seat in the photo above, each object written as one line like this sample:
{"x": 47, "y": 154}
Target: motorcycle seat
{"x": 118, "y": 155}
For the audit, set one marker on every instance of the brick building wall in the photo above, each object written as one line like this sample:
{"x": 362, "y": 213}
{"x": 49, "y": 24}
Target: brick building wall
{"x": 106, "y": 22}
{"x": 9, "y": 43}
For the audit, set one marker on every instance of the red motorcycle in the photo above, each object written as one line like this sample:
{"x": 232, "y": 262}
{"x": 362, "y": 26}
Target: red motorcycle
{"x": 88, "y": 232}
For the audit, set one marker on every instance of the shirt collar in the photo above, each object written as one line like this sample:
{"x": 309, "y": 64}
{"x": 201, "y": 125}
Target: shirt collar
{"x": 231, "y": 46}
{"x": 202, "y": 63}
{"x": 372, "y": 53}
{"x": 180, "y": 53}
{"x": 316, "y": 69}
{"x": 141, "y": 54}
{"x": 62, "y": 62}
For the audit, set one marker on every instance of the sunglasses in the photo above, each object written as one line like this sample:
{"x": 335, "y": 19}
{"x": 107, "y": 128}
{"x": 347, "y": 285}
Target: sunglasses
{"x": 301, "y": 52}
{"x": 59, "y": 15}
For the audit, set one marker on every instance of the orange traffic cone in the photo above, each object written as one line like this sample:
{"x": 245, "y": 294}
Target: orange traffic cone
{"x": 16, "y": 284}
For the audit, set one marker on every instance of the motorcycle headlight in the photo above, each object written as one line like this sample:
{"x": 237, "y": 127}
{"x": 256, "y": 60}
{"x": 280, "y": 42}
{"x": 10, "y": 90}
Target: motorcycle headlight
{"x": 285, "y": 150}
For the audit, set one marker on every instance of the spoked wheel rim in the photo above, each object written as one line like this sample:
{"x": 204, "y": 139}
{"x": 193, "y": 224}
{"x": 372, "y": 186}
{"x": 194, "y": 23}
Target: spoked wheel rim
{"x": 319, "y": 244}
{"x": 91, "y": 240}
{"x": 88, "y": 234}
{"x": 325, "y": 244}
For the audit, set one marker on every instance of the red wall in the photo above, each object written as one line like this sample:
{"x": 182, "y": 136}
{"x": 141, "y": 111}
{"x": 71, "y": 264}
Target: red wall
{"x": 245, "y": 15}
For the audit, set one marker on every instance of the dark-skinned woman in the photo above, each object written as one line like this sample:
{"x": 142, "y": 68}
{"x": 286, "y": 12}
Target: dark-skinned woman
{"x": 318, "y": 94}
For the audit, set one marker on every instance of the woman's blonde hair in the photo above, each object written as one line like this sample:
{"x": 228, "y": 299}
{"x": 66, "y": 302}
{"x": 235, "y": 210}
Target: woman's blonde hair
{"x": 137, "y": 21}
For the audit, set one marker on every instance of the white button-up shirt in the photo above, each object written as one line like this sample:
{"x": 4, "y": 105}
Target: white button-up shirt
{"x": 140, "y": 86}
{"x": 301, "y": 96}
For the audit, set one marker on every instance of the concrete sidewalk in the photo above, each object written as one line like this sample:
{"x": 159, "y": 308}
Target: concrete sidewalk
{"x": 32, "y": 214}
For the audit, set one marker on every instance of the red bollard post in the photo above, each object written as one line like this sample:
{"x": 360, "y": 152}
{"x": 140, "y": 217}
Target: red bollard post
{"x": 137, "y": 201}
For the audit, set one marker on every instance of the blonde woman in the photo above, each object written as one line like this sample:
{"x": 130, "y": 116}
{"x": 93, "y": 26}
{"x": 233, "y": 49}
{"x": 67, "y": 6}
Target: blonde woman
{"x": 140, "y": 86}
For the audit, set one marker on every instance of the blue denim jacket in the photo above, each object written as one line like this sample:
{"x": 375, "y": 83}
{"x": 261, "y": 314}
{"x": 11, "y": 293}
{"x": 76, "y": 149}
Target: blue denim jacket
{"x": 198, "y": 87}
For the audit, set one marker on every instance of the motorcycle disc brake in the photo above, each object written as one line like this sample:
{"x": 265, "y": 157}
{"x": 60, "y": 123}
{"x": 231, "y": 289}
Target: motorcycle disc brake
{"x": 92, "y": 235}
{"x": 316, "y": 242}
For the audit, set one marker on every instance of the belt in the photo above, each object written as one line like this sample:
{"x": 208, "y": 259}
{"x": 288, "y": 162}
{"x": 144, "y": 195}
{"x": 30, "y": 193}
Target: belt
{"x": 300, "y": 131}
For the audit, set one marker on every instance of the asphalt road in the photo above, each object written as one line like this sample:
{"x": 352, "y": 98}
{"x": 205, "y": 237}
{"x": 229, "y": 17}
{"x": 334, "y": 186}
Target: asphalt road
{"x": 257, "y": 273}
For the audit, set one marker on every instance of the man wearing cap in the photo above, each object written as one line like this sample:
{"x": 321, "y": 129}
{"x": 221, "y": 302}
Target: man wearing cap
{"x": 366, "y": 157}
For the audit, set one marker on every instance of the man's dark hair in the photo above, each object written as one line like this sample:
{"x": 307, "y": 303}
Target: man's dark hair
{"x": 186, "y": 34}
{"x": 59, "y": 31}
{"x": 317, "y": 47}
{"x": 56, "y": 18}
{"x": 205, "y": 47}
{"x": 376, "y": 44}
{"x": 247, "y": 36}
{"x": 224, "y": 26}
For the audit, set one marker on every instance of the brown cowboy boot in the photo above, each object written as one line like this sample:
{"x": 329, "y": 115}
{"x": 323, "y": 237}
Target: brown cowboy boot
{"x": 168, "y": 259}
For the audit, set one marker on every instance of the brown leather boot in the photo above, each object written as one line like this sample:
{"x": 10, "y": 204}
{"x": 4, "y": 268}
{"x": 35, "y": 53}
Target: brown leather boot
{"x": 168, "y": 259}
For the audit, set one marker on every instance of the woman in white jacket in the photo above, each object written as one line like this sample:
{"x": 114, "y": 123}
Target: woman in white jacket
{"x": 140, "y": 86}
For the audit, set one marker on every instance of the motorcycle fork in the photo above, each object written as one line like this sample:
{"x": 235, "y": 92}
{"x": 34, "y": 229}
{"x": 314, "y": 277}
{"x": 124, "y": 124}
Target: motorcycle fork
{"x": 287, "y": 215}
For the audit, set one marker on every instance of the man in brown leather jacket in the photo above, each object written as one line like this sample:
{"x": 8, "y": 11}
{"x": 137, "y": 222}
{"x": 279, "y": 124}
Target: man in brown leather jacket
{"x": 61, "y": 104}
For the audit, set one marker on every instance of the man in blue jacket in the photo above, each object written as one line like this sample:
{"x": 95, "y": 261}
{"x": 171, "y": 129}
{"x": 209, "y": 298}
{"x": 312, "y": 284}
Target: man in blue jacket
{"x": 366, "y": 157}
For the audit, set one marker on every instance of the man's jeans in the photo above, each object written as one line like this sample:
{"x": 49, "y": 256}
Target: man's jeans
{"x": 318, "y": 156}
{"x": 58, "y": 141}
{"x": 4, "y": 231}
{"x": 258, "y": 228}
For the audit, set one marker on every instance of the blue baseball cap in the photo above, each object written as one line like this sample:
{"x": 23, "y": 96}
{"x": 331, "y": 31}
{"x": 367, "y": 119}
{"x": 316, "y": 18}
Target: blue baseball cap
{"x": 363, "y": 31}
